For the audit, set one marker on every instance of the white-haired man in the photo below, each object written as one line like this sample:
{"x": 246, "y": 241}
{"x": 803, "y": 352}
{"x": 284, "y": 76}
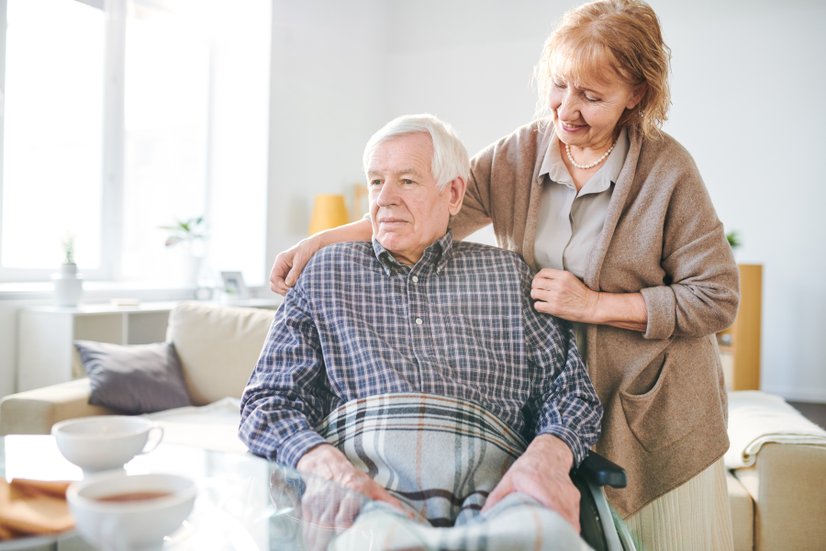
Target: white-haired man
{"x": 414, "y": 369}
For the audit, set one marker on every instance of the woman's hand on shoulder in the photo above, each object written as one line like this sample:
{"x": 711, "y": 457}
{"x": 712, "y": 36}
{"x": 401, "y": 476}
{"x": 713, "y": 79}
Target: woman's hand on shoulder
{"x": 289, "y": 264}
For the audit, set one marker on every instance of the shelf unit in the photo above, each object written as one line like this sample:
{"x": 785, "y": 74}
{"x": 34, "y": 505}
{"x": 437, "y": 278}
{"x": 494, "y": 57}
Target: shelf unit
{"x": 740, "y": 344}
{"x": 45, "y": 336}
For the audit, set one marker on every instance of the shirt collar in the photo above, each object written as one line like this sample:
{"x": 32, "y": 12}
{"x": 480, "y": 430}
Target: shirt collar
{"x": 608, "y": 173}
{"x": 433, "y": 259}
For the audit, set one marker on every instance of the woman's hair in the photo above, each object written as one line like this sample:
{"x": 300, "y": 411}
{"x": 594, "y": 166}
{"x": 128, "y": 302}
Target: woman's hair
{"x": 450, "y": 158}
{"x": 623, "y": 35}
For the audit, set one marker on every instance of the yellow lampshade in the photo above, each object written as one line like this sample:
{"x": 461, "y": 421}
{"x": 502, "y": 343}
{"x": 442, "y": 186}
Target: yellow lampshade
{"x": 329, "y": 211}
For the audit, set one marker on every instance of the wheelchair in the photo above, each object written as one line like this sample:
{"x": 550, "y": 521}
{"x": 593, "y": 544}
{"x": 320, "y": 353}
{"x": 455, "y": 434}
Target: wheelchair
{"x": 599, "y": 526}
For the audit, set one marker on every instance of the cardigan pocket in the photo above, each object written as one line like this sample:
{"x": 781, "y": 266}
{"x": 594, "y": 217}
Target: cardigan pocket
{"x": 669, "y": 410}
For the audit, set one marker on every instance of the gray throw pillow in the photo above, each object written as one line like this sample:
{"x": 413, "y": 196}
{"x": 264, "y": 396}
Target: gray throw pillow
{"x": 132, "y": 379}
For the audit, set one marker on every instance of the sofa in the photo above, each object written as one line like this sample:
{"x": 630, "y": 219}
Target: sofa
{"x": 217, "y": 347}
{"x": 776, "y": 495}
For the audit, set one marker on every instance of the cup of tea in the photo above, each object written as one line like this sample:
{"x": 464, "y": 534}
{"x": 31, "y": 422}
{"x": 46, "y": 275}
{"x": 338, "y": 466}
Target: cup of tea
{"x": 105, "y": 442}
{"x": 115, "y": 510}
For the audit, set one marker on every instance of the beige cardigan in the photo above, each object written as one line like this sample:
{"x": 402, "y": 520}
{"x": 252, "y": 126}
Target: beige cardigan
{"x": 663, "y": 393}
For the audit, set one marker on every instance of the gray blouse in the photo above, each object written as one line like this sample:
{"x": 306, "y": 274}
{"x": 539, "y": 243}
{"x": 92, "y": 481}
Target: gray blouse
{"x": 570, "y": 221}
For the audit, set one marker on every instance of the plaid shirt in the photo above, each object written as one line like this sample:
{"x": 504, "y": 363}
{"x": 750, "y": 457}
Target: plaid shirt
{"x": 459, "y": 323}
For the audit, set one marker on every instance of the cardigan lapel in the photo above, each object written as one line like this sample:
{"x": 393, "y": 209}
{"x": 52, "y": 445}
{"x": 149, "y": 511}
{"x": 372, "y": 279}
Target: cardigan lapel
{"x": 619, "y": 197}
{"x": 545, "y": 131}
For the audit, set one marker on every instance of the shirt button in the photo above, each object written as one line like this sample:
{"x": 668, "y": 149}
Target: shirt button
{"x": 415, "y": 279}
{"x": 419, "y": 321}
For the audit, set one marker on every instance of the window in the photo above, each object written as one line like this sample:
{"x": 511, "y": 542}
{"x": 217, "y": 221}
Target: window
{"x": 52, "y": 147}
{"x": 123, "y": 119}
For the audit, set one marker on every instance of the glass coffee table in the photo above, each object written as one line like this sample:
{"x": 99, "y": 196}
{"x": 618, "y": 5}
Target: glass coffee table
{"x": 244, "y": 502}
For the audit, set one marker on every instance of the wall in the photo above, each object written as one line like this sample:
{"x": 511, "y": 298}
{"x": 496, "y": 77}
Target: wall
{"x": 747, "y": 82}
{"x": 327, "y": 98}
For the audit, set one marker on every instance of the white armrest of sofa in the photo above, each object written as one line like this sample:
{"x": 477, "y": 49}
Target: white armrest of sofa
{"x": 35, "y": 411}
{"x": 777, "y": 463}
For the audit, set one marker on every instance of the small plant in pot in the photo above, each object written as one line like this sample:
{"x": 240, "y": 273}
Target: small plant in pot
{"x": 187, "y": 230}
{"x": 189, "y": 235}
{"x": 67, "y": 282}
{"x": 69, "y": 265}
{"x": 733, "y": 238}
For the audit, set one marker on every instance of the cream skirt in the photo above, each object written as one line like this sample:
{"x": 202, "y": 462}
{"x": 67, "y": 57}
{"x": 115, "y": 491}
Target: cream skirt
{"x": 695, "y": 515}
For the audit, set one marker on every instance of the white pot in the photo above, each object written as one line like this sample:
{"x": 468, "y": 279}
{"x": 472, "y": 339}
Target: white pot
{"x": 68, "y": 285}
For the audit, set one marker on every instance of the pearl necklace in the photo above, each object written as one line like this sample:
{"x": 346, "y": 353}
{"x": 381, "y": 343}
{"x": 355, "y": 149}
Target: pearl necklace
{"x": 589, "y": 165}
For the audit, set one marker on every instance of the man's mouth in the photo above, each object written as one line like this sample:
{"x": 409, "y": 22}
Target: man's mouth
{"x": 391, "y": 221}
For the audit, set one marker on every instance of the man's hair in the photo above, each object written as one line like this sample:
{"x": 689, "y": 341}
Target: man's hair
{"x": 450, "y": 158}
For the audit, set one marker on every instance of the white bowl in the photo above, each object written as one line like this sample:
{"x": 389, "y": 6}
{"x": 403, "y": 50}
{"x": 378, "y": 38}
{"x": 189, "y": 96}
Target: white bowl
{"x": 105, "y": 442}
{"x": 130, "y": 522}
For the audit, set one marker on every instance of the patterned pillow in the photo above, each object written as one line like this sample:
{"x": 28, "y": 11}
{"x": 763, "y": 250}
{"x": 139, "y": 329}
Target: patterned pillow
{"x": 133, "y": 379}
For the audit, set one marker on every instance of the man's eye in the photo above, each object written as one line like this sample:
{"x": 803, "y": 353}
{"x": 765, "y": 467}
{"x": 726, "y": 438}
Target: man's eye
{"x": 560, "y": 85}
{"x": 375, "y": 183}
{"x": 408, "y": 182}
{"x": 591, "y": 98}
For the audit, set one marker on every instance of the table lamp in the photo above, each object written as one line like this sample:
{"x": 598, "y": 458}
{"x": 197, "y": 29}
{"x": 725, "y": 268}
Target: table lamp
{"x": 329, "y": 211}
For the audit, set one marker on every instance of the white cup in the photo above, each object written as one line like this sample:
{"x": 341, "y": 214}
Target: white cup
{"x": 116, "y": 511}
{"x": 105, "y": 442}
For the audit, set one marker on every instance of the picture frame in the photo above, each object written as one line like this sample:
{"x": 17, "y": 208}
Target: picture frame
{"x": 234, "y": 285}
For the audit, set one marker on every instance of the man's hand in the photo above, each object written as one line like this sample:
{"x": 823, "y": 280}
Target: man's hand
{"x": 326, "y": 461}
{"x": 542, "y": 472}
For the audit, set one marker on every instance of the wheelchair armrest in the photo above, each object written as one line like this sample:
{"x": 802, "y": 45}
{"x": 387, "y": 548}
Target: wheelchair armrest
{"x": 601, "y": 471}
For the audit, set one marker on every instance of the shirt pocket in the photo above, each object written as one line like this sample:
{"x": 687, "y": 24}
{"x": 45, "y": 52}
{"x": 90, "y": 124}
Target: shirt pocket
{"x": 670, "y": 409}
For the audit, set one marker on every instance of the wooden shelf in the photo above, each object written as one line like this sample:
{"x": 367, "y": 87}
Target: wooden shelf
{"x": 740, "y": 344}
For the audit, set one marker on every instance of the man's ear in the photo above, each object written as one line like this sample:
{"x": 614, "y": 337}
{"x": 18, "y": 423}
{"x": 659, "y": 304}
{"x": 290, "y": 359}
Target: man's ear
{"x": 456, "y": 190}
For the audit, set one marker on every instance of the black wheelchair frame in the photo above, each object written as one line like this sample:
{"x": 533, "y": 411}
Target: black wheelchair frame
{"x": 598, "y": 527}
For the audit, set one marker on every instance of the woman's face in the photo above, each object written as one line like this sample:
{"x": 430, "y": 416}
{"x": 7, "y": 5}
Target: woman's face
{"x": 586, "y": 113}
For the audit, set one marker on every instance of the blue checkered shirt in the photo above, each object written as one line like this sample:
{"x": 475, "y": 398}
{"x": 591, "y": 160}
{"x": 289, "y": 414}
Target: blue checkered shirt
{"x": 460, "y": 323}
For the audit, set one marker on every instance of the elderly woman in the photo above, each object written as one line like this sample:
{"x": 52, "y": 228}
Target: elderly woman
{"x": 614, "y": 214}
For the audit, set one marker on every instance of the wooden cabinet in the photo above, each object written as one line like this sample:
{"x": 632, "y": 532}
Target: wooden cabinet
{"x": 740, "y": 343}
{"x": 45, "y": 335}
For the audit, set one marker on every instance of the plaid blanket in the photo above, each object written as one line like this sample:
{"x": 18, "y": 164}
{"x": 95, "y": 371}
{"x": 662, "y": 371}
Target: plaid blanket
{"x": 442, "y": 457}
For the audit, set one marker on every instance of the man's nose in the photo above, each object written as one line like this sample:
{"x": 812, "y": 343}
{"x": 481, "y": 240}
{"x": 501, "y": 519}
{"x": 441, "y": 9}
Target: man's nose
{"x": 388, "y": 195}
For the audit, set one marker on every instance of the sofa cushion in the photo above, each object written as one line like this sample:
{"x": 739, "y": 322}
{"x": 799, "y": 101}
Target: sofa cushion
{"x": 132, "y": 379}
{"x": 210, "y": 427}
{"x": 218, "y": 347}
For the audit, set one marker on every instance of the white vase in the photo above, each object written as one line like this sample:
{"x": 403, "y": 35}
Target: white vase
{"x": 68, "y": 285}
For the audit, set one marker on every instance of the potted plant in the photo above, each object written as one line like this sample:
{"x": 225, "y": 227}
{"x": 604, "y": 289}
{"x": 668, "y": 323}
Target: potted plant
{"x": 187, "y": 230}
{"x": 190, "y": 235}
{"x": 68, "y": 284}
{"x": 733, "y": 238}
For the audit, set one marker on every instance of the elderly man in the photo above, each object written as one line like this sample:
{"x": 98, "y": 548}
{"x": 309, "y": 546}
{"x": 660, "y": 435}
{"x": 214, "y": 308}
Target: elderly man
{"x": 414, "y": 369}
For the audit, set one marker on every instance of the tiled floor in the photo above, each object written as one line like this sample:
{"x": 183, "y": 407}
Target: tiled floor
{"x": 816, "y": 413}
